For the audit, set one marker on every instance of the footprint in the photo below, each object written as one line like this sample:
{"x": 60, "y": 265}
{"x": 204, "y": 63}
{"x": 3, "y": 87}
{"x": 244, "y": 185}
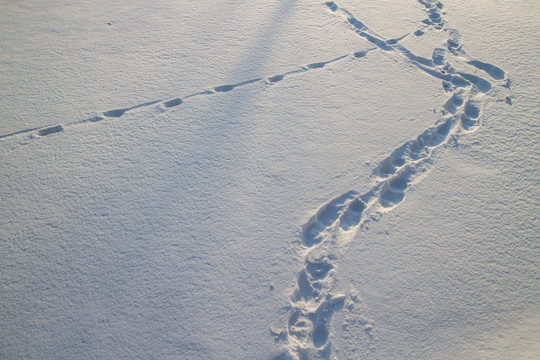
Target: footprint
{"x": 399, "y": 183}
{"x": 318, "y": 265}
{"x": 394, "y": 190}
{"x": 276, "y": 78}
{"x": 318, "y": 271}
{"x": 435, "y": 15}
{"x": 439, "y": 56}
{"x": 227, "y": 88}
{"x": 459, "y": 81}
{"x": 360, "y": 54}
{"x": 454, "y": 42}
{"x": 353, "y": 214}
{"x": 172, "y": 103}
{"x": 493, "y": 71}
{"x": 95, "y": 119}
{"x": 224, "y": 88}
{"x": 307, "y": 289}
{"x": 320, "y": 335}
{"x": 470, "y": 118}
{"x": 331, "y": 5}
{"x": 454, "y": 103}
{"x": 482, "y": 85}
{"x": 50, "y": 130}
{"x": 389, "y": 165}
{"x": 115, "y": 113}
{"x": 313, "y": 231}
{"x": 375, "y": 41}
{"x": 356, "y": 23}
{"x": 472, "y": 110}
{"x": 317, "y": 65}
{"x": 390, "y": 199}
{"x": 469, "y": 124}
{"x": 432, "y": 137}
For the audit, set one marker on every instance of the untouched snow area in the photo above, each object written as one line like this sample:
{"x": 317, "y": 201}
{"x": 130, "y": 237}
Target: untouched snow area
{"x": 269, "y": 180}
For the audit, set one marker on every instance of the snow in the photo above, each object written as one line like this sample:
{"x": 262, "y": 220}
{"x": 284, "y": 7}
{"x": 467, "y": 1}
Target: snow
{"x": 282, "y": 180}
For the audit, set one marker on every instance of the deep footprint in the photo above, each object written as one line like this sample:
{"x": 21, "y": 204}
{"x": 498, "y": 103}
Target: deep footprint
{"x": 320, "y": 336}
{"x": 353, "y": 214}
{"x": 313, "y": 232}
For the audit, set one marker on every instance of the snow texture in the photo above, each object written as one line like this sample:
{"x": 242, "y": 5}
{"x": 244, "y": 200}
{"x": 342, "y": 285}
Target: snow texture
{"x": 289, "y": 180}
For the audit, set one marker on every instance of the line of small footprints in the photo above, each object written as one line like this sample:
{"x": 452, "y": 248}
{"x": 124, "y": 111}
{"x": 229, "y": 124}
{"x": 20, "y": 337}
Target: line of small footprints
{"x": 171, "y": 103}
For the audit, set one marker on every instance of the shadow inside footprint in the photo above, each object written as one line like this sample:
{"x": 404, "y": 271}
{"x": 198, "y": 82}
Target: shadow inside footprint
{"x": 360, "y": 54}
{"x": 320, "y": 335}
{"x": 275, "y": 78}
{"x": 316, "y": 65}
{"x": 224, "y": 88}
{"x": 172, "y": 103}
{"x": 115, "y": 112}
{"x": 50, "y": 130}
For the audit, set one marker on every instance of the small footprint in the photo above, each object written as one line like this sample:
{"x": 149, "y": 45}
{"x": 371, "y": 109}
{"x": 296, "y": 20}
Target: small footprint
{"x": 276, "y": 78}
{"x": 331, "y": 5}
{"x": 360, "y": 54}
{"x": 95, "y": 119}
{"x": 50, "y": 130}
{"x": 115, "y": 113}
{"x": 317, "y": 65}
{"x": 172, "y": 103}
{"x": 224, "y": 88}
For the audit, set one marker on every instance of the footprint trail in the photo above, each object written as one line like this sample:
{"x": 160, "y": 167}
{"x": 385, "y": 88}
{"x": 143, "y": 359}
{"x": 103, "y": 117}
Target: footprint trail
{"x": 314, "y": 299}
{"x": 112, "y": 114}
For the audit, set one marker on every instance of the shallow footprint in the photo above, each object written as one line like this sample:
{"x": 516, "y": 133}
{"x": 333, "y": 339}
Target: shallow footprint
{"x": 172, "y": 103}
{"x": 50, "y": 130}
{"x": 115, "y": 113}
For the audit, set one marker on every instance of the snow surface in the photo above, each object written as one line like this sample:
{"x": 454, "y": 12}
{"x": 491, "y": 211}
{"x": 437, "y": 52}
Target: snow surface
{"x": 277, "y": 180}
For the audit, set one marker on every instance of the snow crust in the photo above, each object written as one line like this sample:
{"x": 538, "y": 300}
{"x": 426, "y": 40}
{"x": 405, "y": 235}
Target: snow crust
{"x": 277, "y": 180}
